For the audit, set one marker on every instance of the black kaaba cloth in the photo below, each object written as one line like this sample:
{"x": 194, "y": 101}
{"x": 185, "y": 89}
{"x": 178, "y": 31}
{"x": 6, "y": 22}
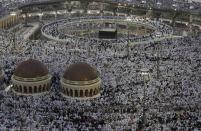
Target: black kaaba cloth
{"x": 108, "y": 33}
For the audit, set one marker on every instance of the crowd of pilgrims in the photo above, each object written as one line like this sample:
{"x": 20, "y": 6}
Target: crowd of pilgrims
{"x": 172, "y": 92}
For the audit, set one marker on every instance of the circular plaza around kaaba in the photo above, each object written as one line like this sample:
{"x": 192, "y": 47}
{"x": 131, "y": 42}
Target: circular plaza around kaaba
{"x": 98, "y": 28}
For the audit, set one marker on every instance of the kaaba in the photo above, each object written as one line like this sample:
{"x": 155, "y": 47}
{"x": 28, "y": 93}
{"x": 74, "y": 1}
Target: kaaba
{"x": 108, "y": 34}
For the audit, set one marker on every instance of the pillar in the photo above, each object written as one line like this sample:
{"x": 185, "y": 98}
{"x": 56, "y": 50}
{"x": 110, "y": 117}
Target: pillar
{"x": 37, "y": 89}
{"x": 40, "y": 17}
{"x": 17, "y": 19}
{"x": 25, "y": 19}
{"x": 101, "y": 9}
{"x": 55, "y": 15}
{"x": 6, "y": 24}
{"x": 2, "y": 24}
{"x": 10, "y": 22}
{"x": 190, "y": 23}
{"x": 73, "y": 93}
{"x": 22, "y": 89}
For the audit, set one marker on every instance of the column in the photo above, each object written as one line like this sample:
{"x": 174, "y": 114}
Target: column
{"x": 32, "y": 88}
{"x": 37, "y": 89}
{"x": 40, "y": 17}
{"x": 9, "y": 22}
{"x": 3, "y": 24}
{"x": 190, "y": 22}
{"x": 22, "y": 89}
{"x": 101, "y": 10}
{"x": 55, "y": 15}
{"x": 25, "y": 18}
{"x": 73, "y": 93}
{"x": 17, "y": 19}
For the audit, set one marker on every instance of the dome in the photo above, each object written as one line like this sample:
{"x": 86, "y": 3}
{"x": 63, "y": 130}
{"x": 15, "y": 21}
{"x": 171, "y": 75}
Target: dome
{"x": 80, "y": 72}
{"x": 31, "y": 69}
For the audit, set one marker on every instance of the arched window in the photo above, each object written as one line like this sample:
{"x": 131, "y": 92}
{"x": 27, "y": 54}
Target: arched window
{"x": 25, "y": 89}
{"x": 64, "y": 90}
{"x": 16, "y": 88}
{"x": 94, "y": 92}
{"x": 67, "y": 92}
{"x": 71, "y": 92}
{"x": 20, "y": 88}
{"x": 35, "y": 89}
{"x": 91, "y": 92}
{"x": 86, "y": 93}
{"x": 81, "y": 93}
{"x": 44, "y": 88}
{"x": 76, "y": 93}
{"x": 30, "y": 89}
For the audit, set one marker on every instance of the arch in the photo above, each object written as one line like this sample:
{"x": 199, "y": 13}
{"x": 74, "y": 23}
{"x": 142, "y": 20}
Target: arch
{"x": 86, "y": 93}
{"x": 64, "y": 90}
{"x": 48, "y": 86}
{"x": 81, "y": 93}
{"x": 76, "y": 93}
{"x": 35, "y": 89}
{"x": 94, "y": 92}
{"x": 20, "y": 88}
{"x": 25, "y": 89}
{"x": 67, "y": 92}
{"x": 91, "y": 93}
{"x": 44, "y": 88}
{"x": 16, "y": 88}
{"x": 71, "y": 92}
{"x": 30, "y": 89}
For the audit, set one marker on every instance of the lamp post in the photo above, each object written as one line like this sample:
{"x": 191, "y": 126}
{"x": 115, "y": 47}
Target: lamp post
{"x": 146, "y": 76}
